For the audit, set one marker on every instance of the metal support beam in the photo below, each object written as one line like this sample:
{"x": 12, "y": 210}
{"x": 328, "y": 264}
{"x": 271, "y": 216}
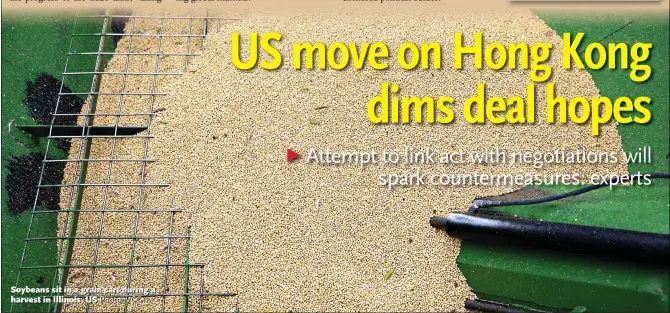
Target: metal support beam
{"x": 77, "y": 130}
{"x": 186, "y": 270}
{"x": 92, "y": 101}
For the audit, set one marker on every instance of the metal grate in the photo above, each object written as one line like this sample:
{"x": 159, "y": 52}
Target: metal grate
{"x": 59, "y": 269}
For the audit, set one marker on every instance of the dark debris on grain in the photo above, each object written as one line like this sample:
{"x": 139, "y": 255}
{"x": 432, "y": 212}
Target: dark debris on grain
{"x": 22, "y": 180}
{"x": 41, "y": 100}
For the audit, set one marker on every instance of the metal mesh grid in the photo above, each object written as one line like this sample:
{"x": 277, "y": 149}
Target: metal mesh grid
{"x": 194, "y": 292}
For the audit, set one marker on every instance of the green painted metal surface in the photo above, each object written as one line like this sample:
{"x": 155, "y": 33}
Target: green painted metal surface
{"x": 630, "y": 208}
{"x": 555, "y": 281}
{"x": 546, "y": 280}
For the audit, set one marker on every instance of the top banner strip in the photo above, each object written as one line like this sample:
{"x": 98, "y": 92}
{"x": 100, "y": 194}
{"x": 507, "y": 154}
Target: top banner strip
{"x": 346, "y": 5}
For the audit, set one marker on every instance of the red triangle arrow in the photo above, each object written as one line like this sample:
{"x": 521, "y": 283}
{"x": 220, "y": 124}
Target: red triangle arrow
{"x": 291, "y": 155}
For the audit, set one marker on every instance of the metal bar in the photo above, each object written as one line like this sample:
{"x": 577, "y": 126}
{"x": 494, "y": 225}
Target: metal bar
{"x": 204, "y": 32}
{"x": 99, "y": 136}
{"x": 72, "y": 130}
{"x": 186, "y": 269}
{"x": 108, "y": 237}
{"x": 119, "y": 73}
{"x": 170, "y": 229}
{"x": 165, "y": 17}
{"x": 111, "y": 156}
{"x": 107, "y": 210}
{"x": 167, "y": 261}
{"x": 114, "y": 295}
{"x": 111, "y": 94}
{"x": 138, "y": 53}
{"x": 146, "y": 151}
{"x": 92, "y": 100}
{"x": 188, "y": 42}
{"x": 105, "y": 114}
{"x": 103, "y": 185}
{"x": 202, "y": 287}
{"x": 100, "y": 160}
{"x": 32, "y": 216}
{"x": 139, "y": 35}
{"x": 104, "y": 266}
{"x": 66, "y": 220}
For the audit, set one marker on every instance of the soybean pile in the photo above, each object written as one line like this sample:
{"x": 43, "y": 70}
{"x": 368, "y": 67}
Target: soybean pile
{"x": 302, "y": 237}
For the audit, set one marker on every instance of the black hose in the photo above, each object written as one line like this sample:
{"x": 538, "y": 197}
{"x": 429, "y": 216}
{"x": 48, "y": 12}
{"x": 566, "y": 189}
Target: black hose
{"x": 630, "y": 245}
{"x": 484, "y": 203}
